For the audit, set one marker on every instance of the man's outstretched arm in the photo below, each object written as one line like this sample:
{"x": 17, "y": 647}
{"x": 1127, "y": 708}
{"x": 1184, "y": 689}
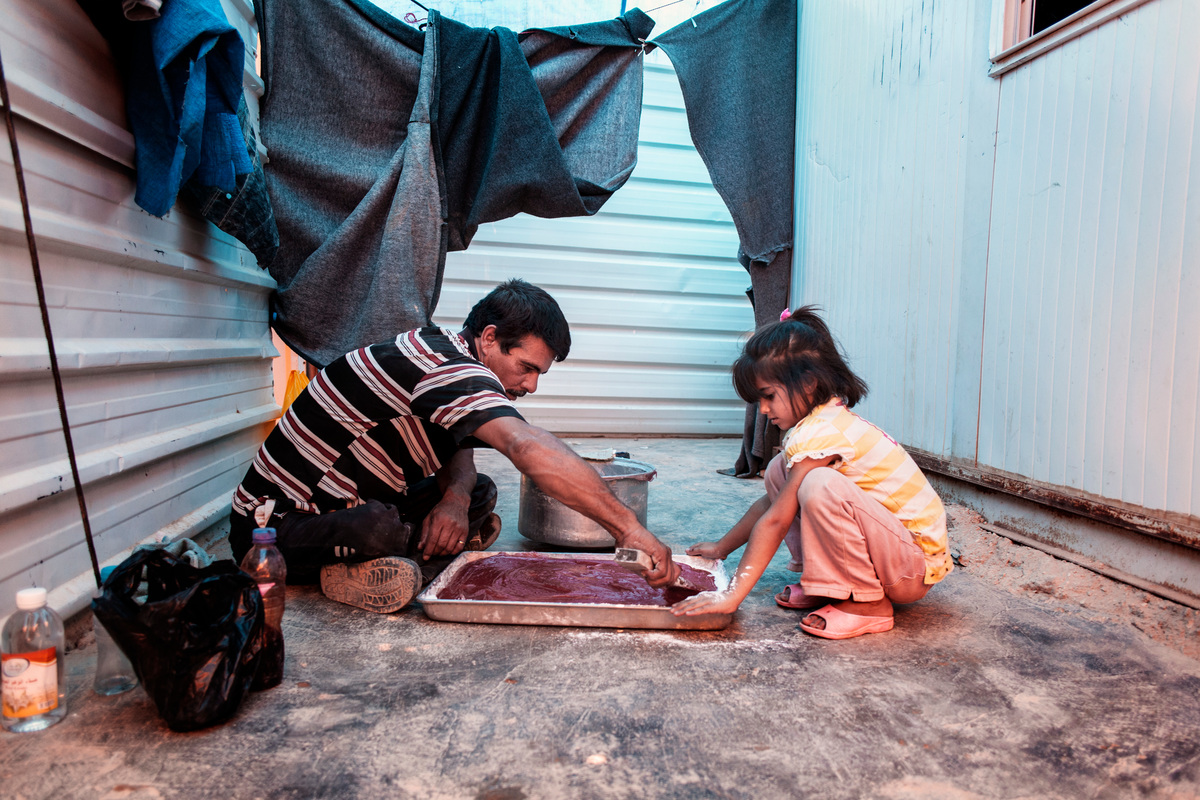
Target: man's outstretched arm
{"x": 559, "y": 472}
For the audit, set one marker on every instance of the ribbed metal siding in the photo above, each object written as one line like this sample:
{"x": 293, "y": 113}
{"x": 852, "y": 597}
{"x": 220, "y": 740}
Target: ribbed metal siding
{"x": 1092, "y": 345}
{"x": 650, "y": 285}
{"x": 160, "y": 326}
{"x": 1013, "y": 264}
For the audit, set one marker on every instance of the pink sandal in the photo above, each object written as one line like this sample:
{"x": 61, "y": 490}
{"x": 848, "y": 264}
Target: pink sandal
{"x": 794, "y": 596}
{"x": 840, "y": 625}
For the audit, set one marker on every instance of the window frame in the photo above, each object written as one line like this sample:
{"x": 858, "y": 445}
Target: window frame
{"x": 1009, "y": 17}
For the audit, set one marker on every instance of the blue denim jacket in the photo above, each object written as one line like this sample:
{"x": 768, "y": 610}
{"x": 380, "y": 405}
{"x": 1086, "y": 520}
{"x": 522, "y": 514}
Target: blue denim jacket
{"x": 183, "y": 95}
{"x": 184, "y": 101}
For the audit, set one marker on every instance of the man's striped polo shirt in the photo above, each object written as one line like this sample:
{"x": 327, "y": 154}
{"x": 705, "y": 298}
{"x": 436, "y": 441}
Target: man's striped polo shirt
{"x": 373, "y": 422}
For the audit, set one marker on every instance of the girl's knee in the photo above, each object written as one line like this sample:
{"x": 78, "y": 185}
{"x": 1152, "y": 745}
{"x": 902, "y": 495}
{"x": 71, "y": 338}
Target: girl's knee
{"x": 907, "y": 591}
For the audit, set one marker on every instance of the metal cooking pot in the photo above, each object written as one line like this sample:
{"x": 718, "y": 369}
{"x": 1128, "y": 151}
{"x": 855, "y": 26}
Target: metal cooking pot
{"x": 544, "y": 519}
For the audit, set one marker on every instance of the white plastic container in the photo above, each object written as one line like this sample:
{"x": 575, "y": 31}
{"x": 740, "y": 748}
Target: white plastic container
{"x": 32, "y": 643}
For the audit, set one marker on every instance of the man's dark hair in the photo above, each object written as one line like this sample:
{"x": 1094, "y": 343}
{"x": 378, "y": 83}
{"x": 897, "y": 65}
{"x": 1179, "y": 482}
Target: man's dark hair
{"x": 518, "y": 308}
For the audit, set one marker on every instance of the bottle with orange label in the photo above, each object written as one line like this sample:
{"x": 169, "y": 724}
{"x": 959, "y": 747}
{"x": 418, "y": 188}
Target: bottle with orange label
{"x": 264, "y": 563}
{"x": 32, "y": 688}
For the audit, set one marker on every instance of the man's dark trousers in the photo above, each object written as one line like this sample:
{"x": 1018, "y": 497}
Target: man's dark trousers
{"x": 380, "y": 527}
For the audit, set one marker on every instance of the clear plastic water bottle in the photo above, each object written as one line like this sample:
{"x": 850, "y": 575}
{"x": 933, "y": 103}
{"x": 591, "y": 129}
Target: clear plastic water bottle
{"x": 264, "y": 563}
{"x": 31, "y": 665}
{"x": 114, "y": 672}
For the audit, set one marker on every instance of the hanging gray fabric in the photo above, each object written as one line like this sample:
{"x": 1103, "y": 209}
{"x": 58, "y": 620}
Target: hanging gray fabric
{"x": 544, "y": 122}
{"x": 737, "y": 68}
{"x": 389, "y": 147}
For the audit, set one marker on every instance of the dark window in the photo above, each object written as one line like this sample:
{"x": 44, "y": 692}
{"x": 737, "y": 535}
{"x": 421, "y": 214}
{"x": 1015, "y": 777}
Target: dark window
{"x": 1048, "y": 12}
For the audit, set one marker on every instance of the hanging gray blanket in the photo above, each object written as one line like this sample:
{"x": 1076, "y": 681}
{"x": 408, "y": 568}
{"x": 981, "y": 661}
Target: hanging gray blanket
{"x": 389, "y": 147}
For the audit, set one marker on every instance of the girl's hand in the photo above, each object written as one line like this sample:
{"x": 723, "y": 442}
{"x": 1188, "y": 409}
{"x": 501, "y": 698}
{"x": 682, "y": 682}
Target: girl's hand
{"x": 706, "y": 603}
{"x": 706, "y": 550}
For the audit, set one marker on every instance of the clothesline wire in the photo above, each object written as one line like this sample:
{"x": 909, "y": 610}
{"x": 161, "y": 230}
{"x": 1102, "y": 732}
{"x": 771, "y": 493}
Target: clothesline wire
{"x": 656, "y": 8}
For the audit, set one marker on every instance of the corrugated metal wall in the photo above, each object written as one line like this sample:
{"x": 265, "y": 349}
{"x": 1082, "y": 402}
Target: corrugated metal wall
{"x": 650, "y": 285}
{"x": 160, "y": 326}
{"x": 1012, "y": 263}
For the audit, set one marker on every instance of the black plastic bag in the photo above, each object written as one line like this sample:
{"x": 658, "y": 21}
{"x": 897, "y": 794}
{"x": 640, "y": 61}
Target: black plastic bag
{"x": 194, "y": 642}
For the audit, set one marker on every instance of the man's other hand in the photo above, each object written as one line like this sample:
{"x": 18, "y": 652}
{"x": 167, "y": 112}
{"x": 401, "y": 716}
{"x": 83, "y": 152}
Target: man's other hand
{"x": 444, "y": 531}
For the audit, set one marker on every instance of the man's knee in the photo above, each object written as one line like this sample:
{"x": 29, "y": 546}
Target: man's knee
{"x": 376, "y": 513}
{"x": 379, "y": 528}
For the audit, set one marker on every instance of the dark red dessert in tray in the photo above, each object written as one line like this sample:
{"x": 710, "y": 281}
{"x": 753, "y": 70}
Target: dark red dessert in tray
{"x": 578, "y": 589}
{"x": 531, "y": 578}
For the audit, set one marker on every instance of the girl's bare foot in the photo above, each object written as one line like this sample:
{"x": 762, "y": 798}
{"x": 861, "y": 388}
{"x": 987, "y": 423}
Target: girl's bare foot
{"x": 874, "y": 608}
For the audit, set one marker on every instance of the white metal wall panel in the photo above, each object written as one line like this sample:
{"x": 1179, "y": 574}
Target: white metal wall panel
{"x": 650, "y": 285}
{"x": 1092, "y": 344}
{"x": 882, "y": 150}
{"x": 159, "y": 324}
{"x": 1013, "y": 264}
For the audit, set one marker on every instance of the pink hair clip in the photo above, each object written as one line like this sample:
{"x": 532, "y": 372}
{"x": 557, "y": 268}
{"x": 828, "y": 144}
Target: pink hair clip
{"x": 787, "y": 313}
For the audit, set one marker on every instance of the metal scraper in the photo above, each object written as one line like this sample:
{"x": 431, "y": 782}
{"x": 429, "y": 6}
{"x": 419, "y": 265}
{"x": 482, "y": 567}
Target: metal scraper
{"x": 639, "y": 561}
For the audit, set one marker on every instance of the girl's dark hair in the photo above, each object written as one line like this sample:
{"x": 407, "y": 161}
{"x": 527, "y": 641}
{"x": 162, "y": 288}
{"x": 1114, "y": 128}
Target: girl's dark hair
{"x": 800, "y": 354}
{"x": 518, "y": 308}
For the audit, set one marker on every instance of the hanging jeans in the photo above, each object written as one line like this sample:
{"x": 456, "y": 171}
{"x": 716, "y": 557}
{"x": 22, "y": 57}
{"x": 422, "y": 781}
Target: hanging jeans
{"x": 183, "y": 96}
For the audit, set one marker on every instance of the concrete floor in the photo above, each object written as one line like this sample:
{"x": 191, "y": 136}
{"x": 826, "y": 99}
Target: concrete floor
{"x": 978, "y": 692}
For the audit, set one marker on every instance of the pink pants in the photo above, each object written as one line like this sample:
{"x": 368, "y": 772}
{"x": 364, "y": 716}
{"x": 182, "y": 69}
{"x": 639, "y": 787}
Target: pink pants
{"x": 847, "y": 543}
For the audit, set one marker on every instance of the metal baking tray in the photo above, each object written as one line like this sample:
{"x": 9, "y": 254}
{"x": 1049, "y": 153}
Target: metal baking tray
{"x": 585, "y": 615}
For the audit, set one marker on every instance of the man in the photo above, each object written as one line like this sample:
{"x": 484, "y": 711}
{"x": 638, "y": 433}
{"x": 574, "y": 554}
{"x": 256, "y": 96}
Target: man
{"x": 371, "y": 468}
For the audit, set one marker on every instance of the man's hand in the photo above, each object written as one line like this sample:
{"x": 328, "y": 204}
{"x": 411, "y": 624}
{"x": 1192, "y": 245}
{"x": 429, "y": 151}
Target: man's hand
{"x": 559, "y": 472}
{"x": 444, "y": 530}
{"x": 665, "y": 571}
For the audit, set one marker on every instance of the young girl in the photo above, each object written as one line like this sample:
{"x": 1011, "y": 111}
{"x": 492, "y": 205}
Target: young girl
{"x": 858, "y": 516}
